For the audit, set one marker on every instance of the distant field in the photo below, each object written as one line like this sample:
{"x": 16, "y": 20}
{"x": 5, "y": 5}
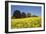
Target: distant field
{"x": 30, "y": 22}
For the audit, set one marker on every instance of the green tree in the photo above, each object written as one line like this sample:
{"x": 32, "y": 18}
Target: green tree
{"x": 17, "y": 14}
{"x": 28, "y": 14}
{"x": 34, "y": 16}
{"x": 23, "y": 15}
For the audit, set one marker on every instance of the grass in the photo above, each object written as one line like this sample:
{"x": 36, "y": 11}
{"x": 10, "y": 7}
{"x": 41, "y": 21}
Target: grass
{"x": 31, "y": 22}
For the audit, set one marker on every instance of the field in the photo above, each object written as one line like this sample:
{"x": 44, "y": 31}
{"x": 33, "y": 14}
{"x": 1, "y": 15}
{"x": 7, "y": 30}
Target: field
{"x": 31, "y": 22}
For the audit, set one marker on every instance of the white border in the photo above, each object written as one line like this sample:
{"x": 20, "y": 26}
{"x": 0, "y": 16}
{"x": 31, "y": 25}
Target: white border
{"x": 24, "y": 29}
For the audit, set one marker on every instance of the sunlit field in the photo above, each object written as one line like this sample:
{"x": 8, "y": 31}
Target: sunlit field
{"x": 30, "y": 22}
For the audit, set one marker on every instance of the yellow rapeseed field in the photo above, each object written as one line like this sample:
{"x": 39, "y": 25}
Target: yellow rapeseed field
{"x": 31, "y": 22}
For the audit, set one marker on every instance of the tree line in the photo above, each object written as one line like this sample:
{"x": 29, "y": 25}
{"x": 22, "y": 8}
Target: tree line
{"x": 18, "y": 14}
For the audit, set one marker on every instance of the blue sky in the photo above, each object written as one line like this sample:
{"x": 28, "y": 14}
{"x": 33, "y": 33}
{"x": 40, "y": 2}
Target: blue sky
{"x": 34, "y": 10}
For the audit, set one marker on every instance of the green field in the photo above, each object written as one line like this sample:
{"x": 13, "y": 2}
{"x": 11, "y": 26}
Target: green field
{"x": 31, "y": 22}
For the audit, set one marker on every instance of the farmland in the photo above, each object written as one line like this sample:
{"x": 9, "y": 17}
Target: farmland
{"x": 30, "y": 22}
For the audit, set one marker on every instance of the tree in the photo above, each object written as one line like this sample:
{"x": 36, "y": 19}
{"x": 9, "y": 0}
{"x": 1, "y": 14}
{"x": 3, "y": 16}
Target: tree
{"x": 13, "y": 17}
{"x": 17, "y": 14}
{"x": 28, "y": 14}
{"x": 34, "y": 16}
{"x": 23, "y": 15}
